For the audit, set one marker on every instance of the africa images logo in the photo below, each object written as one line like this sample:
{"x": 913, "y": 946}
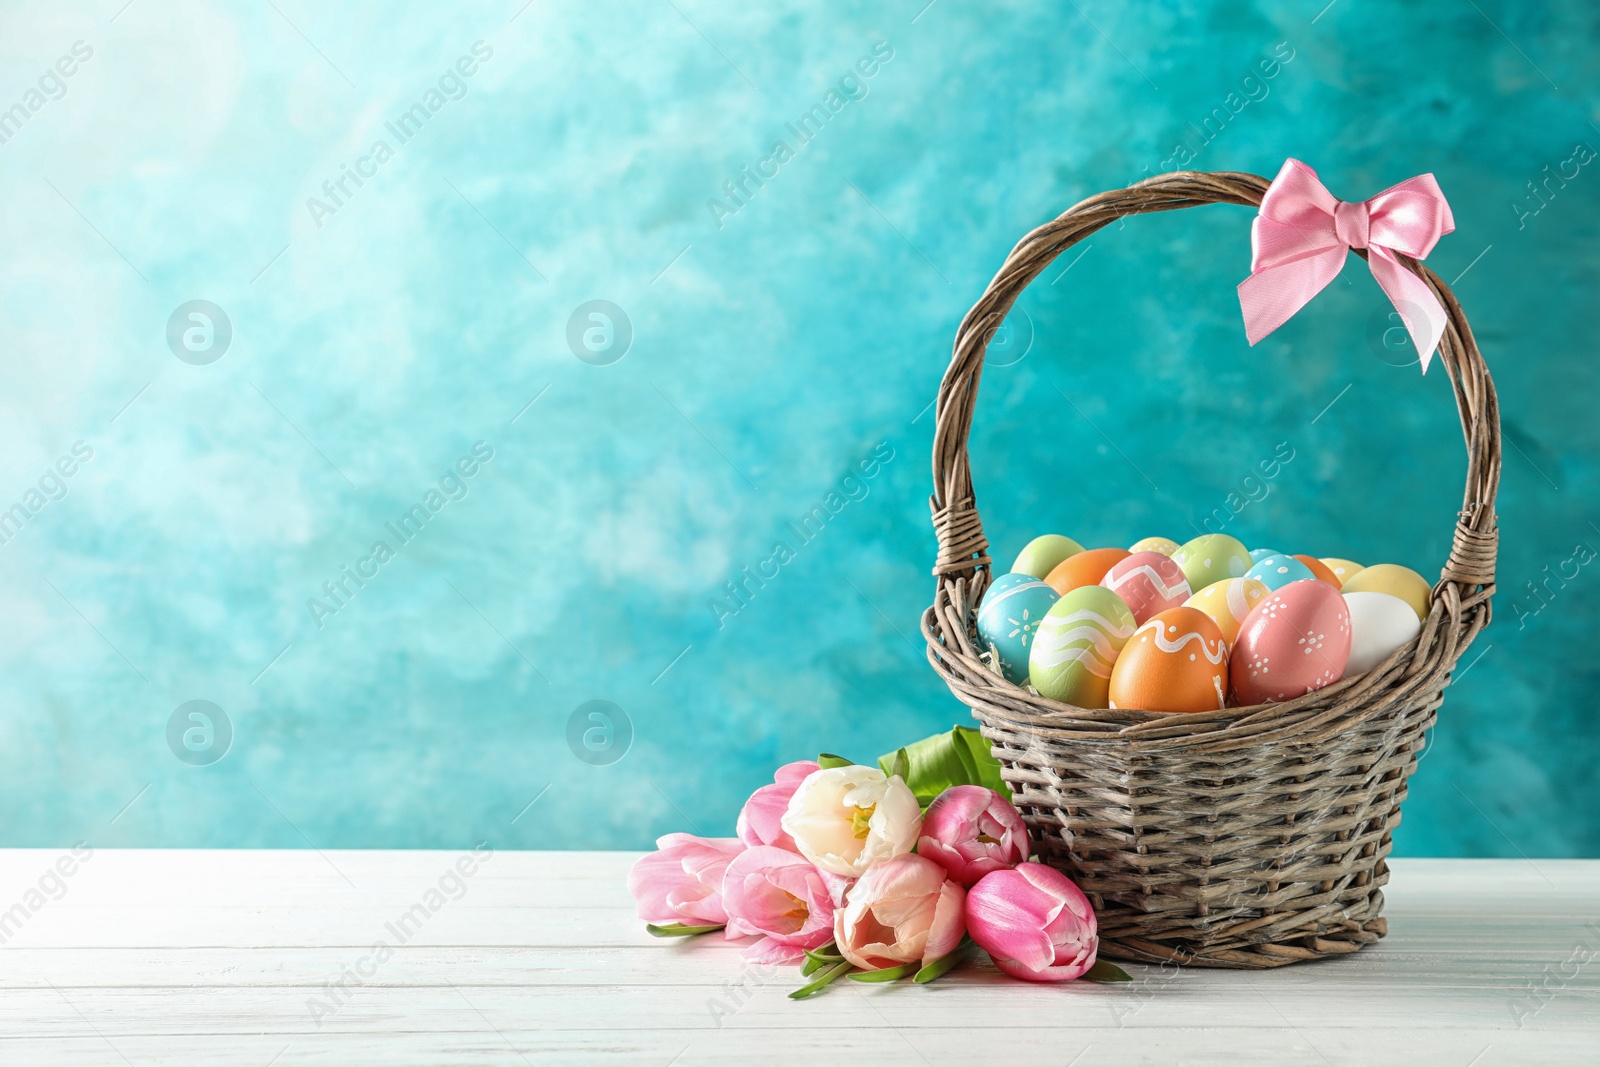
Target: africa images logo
{"x": 454, "y": 485}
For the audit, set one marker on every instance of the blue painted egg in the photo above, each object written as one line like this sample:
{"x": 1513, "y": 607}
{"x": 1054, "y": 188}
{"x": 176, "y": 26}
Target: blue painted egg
{"x": 1012, "y": 609}
{"x": 1259, "y": 554}
{"x": 1277, "y": 571}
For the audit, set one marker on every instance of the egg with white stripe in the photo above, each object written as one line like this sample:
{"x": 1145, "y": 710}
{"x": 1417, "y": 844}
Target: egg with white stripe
{"x": 1176, "y": 662}
{"x": 1013, "y": 607}
{"x": 1148, "y": 582}
{"x": 1077, "y": 644}
{"x": 1228, "y": 602}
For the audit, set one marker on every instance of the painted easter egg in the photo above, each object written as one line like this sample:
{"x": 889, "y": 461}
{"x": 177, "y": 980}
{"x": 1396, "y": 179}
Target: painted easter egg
{"x": 1379, "y": 624}
{"x": 1077, "y": 644}
{"x": 1147, "y": 582}
{"x": 1211, "y": 558}
{"x": 1395, "y": 580}
{"x": 1343, "y": 569}
{"x": 1295, "y": 641}
{"x": 1013, "y": 607}
{"x": 1085, "y": 568}
{"x": 1320, "y": 570}
{"x": 1259, "y": 554}
{"x": 1228, "y": 602}
{"x": 1177, "y": 661}
{"x": 1040, "y": 556}
{"x": 1275, "y": 572}
{"x": 1164, "y": 545}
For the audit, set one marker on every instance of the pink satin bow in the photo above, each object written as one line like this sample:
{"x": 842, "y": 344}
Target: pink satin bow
{"x": 1303, "y": 233}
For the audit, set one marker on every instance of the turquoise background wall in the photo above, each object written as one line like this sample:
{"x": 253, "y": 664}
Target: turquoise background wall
{"x": 399, "y": 215}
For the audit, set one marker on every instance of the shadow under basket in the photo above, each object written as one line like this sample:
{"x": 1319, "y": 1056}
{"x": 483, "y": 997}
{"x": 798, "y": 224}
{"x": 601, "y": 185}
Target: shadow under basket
{"x": 1249, "y": 837}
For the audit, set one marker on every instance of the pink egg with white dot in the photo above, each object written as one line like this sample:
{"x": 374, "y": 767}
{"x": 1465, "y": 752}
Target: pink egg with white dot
{"x": 1295, "y": 641}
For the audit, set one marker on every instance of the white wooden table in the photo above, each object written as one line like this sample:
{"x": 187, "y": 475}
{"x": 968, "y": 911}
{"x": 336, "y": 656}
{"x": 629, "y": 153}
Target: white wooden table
{"x": 227, "y": 958}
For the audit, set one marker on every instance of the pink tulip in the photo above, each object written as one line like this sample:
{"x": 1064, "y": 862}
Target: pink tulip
{"x": 760, "y": 820}
{"x": 903, "y": 910}
{"x": 1034, "y": 922}
{"x": 970, "y": 831}
{"x": 779, "y": 894}
{"x": 682, "y": 883}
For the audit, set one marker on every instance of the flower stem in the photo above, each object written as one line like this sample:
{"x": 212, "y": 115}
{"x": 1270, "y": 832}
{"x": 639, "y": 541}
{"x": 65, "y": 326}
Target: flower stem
{"x": 828, "y": 977}
{"x": 885, "y": 974}
{"x": 943, "y": 964}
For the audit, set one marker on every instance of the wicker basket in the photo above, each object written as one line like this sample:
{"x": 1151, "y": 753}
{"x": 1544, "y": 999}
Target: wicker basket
{"x": 1248, "y": 837}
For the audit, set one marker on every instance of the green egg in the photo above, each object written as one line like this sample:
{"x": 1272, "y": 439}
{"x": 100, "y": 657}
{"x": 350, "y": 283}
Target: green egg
{"x": 1077, "y": 643}
{"x": 1042, "y": 554}
{"x": 1212, "y": 558}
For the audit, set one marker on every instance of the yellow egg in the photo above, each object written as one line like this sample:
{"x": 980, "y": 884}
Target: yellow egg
{"x": 1227, "y": 603}
{"x": 1343, "y": 569}
{"x": 1395, "y": 580}
{"x": 1164, "y": 545}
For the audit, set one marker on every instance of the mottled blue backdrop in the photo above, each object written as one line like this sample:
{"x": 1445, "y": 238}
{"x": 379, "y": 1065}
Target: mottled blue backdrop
{"x": 399, "y": 216}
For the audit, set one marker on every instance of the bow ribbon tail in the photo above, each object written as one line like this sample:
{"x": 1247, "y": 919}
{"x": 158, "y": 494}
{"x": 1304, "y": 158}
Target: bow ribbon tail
{"x": 1418, "y": 307}
{"x": 1276, "y": 290}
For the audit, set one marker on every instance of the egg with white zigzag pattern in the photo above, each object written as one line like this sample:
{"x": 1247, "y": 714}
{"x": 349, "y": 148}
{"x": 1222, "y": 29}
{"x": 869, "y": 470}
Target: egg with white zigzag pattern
{"x": 1175, "y": 662}
{"x": 1148, "y": 582}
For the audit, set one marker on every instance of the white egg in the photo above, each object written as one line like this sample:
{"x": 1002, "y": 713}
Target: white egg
{"x": 1379, "y": 624}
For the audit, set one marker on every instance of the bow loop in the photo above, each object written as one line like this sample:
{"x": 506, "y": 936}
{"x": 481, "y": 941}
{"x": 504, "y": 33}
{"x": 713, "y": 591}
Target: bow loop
{"x": 1411, "y": 217}
{"x": 1301, "y": 237}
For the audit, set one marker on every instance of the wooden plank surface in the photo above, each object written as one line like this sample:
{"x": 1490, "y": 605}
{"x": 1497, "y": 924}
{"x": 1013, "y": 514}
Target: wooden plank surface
{"x": 283, "y": 958}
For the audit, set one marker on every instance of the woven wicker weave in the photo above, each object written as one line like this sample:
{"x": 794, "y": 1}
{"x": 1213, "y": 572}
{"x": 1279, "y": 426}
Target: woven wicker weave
{"x": 1249, "y": 837}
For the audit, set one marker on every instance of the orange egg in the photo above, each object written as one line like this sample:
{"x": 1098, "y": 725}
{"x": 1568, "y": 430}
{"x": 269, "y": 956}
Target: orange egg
{"x": 1175, "y": 662}
{"x": 1084, "y": 568}
{"x": 1321, "y": 570}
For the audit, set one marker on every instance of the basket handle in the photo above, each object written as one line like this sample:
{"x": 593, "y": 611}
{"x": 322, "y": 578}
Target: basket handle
{"x": 1467, "y": 579}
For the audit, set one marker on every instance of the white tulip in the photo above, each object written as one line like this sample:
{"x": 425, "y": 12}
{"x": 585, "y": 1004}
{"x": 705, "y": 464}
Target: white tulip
{"x": 845, "y": 819}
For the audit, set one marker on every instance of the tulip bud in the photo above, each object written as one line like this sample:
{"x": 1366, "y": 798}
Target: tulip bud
{"x": 1033, "y": 922}
{"x": 761, "y": 818}
{"x": 971, "y": 831}
{"x": 682, "y": 882}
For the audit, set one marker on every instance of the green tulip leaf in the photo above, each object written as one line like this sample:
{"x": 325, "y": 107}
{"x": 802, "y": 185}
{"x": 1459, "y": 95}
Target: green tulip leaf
{"x": 827, "y": 978}
{"x": 679, "y": 930}
{"x": 828, "y": 759}
{"x": 1105, "y": 971}
{"x": 828, "y": 953}
{"x": 901, "y": 765}
{"x": 818, "y": 958}
{"x": 886, "y": 974}
{"x": 936, "y": 968}
{"x": 958, "y": 757}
